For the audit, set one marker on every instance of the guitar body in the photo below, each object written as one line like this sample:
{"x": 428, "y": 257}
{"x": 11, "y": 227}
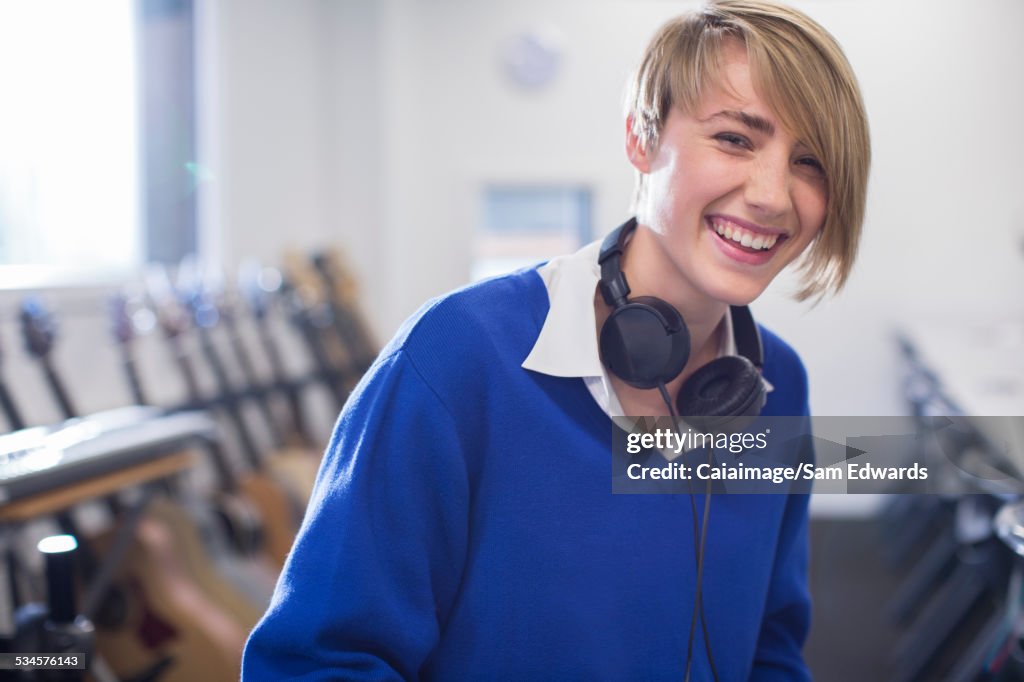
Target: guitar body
{"x": 195, "y": 555}
{"x": 276, "y": 511}
{"x": 171, "y": 624}
{"x": 296, "y": 469}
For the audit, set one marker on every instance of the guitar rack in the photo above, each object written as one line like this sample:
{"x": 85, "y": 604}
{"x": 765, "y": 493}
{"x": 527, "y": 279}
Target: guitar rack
{"x": 222, "y": 546}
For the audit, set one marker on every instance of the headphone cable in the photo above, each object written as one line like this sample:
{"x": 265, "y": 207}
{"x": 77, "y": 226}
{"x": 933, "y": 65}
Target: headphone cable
{"x": 699, "y": 543}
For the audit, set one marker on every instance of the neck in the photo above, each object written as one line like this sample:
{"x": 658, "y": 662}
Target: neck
{"x": 651, "y": 273}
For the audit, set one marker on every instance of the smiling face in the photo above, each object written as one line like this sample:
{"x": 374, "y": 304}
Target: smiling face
{"x": 730, "y": 197}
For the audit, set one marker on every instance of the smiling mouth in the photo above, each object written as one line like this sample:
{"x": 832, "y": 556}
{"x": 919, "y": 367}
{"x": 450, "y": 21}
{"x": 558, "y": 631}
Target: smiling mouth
{"x": 743, "y": 239}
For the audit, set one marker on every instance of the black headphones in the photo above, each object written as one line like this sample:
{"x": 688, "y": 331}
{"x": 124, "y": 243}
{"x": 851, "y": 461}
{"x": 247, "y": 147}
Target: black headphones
{"x": 645, "y": 343}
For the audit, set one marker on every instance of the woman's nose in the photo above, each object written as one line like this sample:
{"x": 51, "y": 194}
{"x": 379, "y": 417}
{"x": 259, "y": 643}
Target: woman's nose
{"x": 767, "y": 189}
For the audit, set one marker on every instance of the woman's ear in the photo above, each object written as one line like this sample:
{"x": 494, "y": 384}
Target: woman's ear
{"x": 638, "y": 155}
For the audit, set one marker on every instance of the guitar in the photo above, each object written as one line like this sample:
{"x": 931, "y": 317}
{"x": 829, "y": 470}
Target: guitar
{"x": 197, "y": 533}
{"x": 275, "y": 509}
{"x": 239, "y": 517}
{"x": 39, "y": 329}
{"x": 226, "y": 309}
{"x": 258, "y": 287}
{"x": 343, "y": 298}
{"x": 12, "y": 563}
{"x": 173, "y": 630}
{"x": 123, "y": 329}
{"x": 291, "y": 467}
{"x": 10, "y": 409}
{"x": 295, "y": 466}
{"x": 173, "y": 320}
{"x": 311, "y": 315}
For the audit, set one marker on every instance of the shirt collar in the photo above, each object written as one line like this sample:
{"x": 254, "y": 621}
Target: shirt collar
{"x": 567, "y": 344}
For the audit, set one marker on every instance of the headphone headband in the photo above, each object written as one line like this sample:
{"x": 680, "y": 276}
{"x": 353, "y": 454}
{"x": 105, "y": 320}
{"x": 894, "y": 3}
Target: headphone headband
{"x": 614, "y": 288}
{"x": 747, "y": 335}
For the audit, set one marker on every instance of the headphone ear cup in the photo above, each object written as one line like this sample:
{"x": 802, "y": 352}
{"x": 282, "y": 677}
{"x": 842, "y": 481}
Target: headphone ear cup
{"x": 721, "y": 394}
{"x": 645, "y": 342}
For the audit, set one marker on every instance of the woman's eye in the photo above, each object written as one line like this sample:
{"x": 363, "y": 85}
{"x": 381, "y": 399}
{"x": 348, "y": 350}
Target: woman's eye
{"x": 812, "y": 162}
{"x": 734, "y": 139}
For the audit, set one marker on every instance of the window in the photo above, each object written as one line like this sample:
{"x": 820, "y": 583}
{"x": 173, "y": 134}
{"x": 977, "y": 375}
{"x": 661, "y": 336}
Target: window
{"x": 83, "y": 83}
{"x": 522, "y": 225}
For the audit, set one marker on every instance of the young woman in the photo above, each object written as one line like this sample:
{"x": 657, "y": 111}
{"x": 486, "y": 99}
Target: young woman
{"x": 463, "y": 525}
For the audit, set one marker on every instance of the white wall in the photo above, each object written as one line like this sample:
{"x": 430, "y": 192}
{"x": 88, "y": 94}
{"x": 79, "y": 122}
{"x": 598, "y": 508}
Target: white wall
{"x": 289, "y": 129}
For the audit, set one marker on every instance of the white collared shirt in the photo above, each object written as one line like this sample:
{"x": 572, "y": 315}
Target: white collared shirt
{"x": 567, "y": 344}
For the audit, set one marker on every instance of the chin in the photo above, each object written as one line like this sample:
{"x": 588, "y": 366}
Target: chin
{"x": 737, "y": 291}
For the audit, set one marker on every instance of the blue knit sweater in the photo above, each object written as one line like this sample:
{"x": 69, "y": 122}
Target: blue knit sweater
{"x": 463, "y": 528}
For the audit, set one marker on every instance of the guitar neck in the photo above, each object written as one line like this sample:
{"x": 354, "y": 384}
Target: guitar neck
{"x": 259, "y": 393}
{"x": 185, "y": 368}
{"x": 346, "y": 319}
{"x": 40, "y": 332}
{"x": 229, "y": 399}
{"x": 351, "y": 331}
{"x": 123, "y": 330}
{"x": 291, "y": 390}
{"x": 10, "y": 409}
{"x": 172, "y": 332}
{"x": 339, "y": 318}
{"x": 11, "y": 412}
{"x": 312, "y": 333}
{"x": 131, "y": 371}
{"x": 212, "y": 446}
{"x": 56, "y": 385}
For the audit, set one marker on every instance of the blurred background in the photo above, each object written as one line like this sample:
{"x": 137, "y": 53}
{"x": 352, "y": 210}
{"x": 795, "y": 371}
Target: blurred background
{"x": 236, "y": 130}
{"x": 434, "y": 142}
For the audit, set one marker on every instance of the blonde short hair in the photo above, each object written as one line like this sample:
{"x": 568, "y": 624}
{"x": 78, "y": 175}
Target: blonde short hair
{"x": 799, "y": 68}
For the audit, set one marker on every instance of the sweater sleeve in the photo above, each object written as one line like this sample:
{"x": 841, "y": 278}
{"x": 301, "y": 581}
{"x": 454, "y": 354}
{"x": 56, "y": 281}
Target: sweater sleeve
{"x": 376, "y": 564}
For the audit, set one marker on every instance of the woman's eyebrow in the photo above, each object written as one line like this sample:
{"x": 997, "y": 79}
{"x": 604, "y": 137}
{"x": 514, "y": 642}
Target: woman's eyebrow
{"x": 753, "y": 122}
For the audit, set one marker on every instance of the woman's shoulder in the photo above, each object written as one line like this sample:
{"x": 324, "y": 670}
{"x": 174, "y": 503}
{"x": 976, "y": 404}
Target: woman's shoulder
{"x": 778, "y": 352}
{"x": 785, "y": 371}
{"x": 482, "y": 323}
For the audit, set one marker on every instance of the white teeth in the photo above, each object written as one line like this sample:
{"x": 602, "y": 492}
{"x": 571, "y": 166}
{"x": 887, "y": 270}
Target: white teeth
{"x": 741, "y": 236}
